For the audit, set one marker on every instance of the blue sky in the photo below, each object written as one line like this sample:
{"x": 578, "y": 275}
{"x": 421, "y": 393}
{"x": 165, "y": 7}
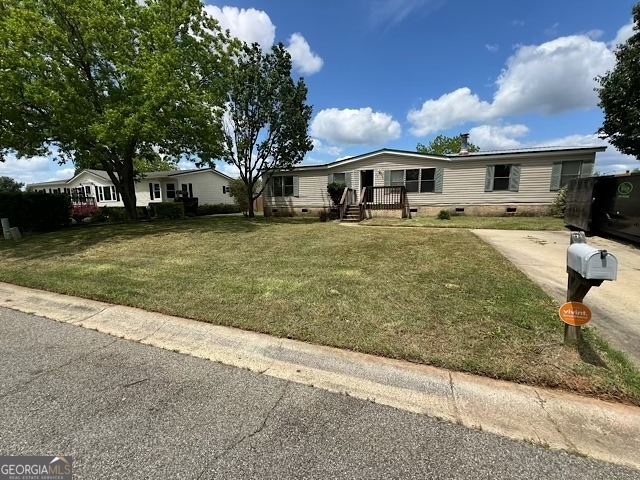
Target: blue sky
{"x": 392, "y": 73}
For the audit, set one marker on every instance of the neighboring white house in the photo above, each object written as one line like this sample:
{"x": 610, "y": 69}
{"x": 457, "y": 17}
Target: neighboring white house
{"x": 208, "y": 185}
{"x": 524, "y": 181}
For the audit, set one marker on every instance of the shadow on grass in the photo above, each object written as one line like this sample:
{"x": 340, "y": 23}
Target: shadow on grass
{"x": 589, "y": 354}
{"x": 76, "y": 239}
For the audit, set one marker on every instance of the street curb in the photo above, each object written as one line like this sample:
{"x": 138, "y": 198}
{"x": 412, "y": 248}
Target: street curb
{"x": 601, "y": 430}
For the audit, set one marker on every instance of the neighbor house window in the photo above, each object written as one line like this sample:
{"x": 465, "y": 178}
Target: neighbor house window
{"x": 106, "y": 192}
{"x": 171, "y": 190}
{"x": 427, "y": 180}
{"x": 187, "y": 189}
{"x": 501, "y": 176}
{"x": 570, "y": 170}
{"x": 154, "y": 191}
{"x": 283, "y": 186}
{"x": 412, "y": 180}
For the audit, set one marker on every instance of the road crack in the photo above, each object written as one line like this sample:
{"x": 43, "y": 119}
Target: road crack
{"x": 250, "y": 435}
{"x": 542, "y": 403}
{"x": 453, "y": 399}
{"x": 56, "y": 368}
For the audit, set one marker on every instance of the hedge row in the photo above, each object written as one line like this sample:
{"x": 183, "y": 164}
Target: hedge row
{"x": 207, "y": 209}
{"x": 36, "y": 211}
{"x": 164, "y": 210}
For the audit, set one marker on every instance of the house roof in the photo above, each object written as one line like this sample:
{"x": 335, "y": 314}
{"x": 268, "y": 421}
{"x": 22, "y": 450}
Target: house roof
{"x": 105, "y": 176}
{"x": 525, "y": 152}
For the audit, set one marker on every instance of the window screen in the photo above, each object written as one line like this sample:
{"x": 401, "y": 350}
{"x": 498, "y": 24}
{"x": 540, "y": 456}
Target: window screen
{"x": 501, "y": 177}
{"x": 412, "y": 180}
{"x": 428, "y": 182}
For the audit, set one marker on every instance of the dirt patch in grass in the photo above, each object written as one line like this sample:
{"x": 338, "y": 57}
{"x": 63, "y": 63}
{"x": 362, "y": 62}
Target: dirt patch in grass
{"x": 431, "y": 296}
{"x": 494, "y": 223}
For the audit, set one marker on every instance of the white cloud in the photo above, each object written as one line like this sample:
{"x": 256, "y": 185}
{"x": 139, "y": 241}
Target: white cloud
{"x": 303, "y": 59}
{"x": 320, "y": 147}
{"x": 554, "y": 77}
{"x": 493, "y": 47}
{"x": 355, "y": 127}
{"x": 490, "y": 137}
{"x": 623, "y": 35}
{"x": 552, "y": 30}
{"x": 550, "y": 78}
{"x": 517, "y": 23}
{"x": 34, "y": 169}
{"x": 394, "y": 11}
{"x": 451, "y": 109}
{"x": 249, "y": 25}
{"x": 493, "y": 137}
{"x": 228, "y": 169}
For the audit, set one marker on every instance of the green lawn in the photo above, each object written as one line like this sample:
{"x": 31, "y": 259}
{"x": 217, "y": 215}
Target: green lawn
{"x": 425, "y": 295}
{"x": 497, "y": 223}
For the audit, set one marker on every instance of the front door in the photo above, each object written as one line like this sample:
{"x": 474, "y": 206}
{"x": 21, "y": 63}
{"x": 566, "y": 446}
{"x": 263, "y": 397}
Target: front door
{"x": 366, "y": 180}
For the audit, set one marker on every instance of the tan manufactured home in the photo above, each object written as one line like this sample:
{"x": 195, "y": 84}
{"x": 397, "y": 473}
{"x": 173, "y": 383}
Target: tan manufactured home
{"x": 401, "y": 183}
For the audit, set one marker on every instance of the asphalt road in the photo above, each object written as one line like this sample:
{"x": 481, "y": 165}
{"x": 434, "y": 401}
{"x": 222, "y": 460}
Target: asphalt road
{"x": 125, "y": 410}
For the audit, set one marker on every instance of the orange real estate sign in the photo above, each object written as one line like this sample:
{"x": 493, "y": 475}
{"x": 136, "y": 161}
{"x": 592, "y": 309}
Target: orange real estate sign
{"x": 575, "y": 313}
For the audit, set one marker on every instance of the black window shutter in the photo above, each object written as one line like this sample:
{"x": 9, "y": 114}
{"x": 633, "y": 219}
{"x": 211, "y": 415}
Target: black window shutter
{"x": 151, "y": 191}
{"x": 190, "y": 190}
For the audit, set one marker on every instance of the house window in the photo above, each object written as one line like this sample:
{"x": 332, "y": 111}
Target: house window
{"x": 570, "y": 170}
{"x": 501, "y": 176}
{"x": 339, "y": 178}
{"x": 428, "y": 180}
{"x": 225, "y": 189}
{"x": 106, "y": 192}
{"x": 412, "y": 180}
{"x": 87, "y": 191}
{"x": 171, "y": 190}
{"x": 283, "y": 186}
{"x": 154, "y": 191}
{"x": 397, "y": 178}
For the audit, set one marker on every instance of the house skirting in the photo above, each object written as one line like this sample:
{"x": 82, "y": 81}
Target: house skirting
{"x": 525, "y": 210}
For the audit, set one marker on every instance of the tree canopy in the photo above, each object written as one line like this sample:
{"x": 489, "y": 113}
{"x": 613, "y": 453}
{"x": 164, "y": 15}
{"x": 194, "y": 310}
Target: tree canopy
{"x": 442, "y": 145}
{"x": 267, "y": 117}
{"x": 9, "y": 185}
{"x": 619, "y": 92}
{"x": 109, "y": 81}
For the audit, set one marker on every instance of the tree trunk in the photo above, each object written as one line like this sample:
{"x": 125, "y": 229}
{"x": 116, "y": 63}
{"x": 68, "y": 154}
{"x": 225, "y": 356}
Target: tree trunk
{"x": 128, "y": 187}
{"x": 251, "y": 213}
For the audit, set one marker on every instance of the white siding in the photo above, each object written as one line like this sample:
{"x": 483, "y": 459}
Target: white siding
{"x": 207, "y": 186}
{"x": 463, "y": 182}
{"x": 312, "y": 191}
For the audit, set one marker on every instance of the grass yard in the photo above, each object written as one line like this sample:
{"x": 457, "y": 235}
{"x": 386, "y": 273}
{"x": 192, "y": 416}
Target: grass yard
{"x": 494, "y": 223}
{"x": 432, "y": 296}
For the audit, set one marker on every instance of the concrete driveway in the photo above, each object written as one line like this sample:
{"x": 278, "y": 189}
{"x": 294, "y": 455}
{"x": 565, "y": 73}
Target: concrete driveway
{"x": 615, "y": 305}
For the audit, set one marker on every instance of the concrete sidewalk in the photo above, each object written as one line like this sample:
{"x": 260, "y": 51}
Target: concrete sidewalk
{"x": 599, "y": 429}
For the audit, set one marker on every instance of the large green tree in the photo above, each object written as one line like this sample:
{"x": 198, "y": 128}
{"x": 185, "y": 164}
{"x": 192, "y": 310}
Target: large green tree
{"x": 619, "y": 92}
{"x": 9, "y": 185}
{"x": 147, "y": 161}
{"x": 109, "y": 80}
{"x": 442, "y": 145}
{"x": 267, "y": 118}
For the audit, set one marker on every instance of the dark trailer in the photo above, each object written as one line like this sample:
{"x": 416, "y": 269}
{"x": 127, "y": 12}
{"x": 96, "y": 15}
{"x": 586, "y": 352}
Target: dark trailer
{"x": 605, "y": 204}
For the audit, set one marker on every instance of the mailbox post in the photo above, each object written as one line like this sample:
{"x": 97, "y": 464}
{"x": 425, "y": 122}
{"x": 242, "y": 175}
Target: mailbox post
{"x": 586, "y": 267}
